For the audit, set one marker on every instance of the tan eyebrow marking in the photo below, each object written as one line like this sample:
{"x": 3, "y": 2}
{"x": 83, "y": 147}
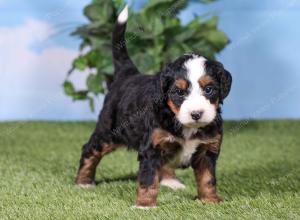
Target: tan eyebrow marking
{"x": 181, "y": 84}
{"x": 204, "y": 80}
{"x": 173, "y": 107}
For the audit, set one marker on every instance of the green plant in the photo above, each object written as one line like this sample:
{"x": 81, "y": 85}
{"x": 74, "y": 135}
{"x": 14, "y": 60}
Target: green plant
{"x": 154, "y": 36}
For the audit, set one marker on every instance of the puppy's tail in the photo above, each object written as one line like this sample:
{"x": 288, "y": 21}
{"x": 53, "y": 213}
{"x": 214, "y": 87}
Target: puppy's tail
{"x": 122, "y": 62}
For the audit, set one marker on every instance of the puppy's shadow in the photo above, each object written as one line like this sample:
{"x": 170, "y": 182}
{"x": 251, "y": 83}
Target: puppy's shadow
{"x": 127, "y": 178}
{"x": 275, "y": 178}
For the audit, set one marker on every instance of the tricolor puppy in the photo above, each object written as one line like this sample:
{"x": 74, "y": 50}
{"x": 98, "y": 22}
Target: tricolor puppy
{"x": 173, "y": 119}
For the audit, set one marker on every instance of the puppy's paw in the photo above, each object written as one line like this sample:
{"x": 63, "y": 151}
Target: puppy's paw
{"x": 86, "y": 185}
{"x": 212, "y": 199}
{"x": 143, "y": 207}
{"x": 174, "y": 184}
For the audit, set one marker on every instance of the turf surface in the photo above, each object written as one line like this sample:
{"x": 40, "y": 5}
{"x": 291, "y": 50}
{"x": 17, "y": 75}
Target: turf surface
{"x": 258, "y": 176}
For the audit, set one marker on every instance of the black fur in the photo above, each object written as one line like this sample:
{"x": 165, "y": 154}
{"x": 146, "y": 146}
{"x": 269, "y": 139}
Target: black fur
{"x": 222, "y": 76}
{"x": 137, "y": 104}
{"x": 123, "y": 64}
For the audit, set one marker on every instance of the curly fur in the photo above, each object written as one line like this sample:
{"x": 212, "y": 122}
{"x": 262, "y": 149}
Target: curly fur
{"x": 138, "y": 104}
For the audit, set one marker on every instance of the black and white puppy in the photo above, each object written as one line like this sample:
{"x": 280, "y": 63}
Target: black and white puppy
{"x": 172, "y": 119}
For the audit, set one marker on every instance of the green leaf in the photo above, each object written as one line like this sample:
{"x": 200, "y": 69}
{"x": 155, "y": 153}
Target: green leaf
{"x": 92, "y": 12}
{"x": 93, "y": 83}
{"x": 93, "y": 58}
{"x": 158, "y": 27}
{"x": 185, "y": 35}
{"x": 91, "y": 103}
{"x": 212, "y": 23}
{"x": 68, "y": 88}
{"x": 108, "y": 69}
{"x": 99, "y": 11}
{"x": 118, "y": 3}
{"x": 80, "y": 95}
{"x": 204, "y": 1}
{"x": 80, "y": 63}
{"x": 207, "y": 1}
{"x": 145, "y": 62}
{"x": 217, "y": 38}
{"x": 168, "y": 8}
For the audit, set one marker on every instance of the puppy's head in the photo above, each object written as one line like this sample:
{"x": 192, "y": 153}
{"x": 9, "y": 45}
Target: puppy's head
{"x": 194, "y": 88}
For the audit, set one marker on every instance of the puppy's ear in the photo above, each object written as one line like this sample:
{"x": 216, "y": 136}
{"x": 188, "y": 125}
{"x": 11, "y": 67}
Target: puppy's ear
{"x": 223, "y": 76}
{"x": 166, "y": 78}
{"x": 225, "y": 83}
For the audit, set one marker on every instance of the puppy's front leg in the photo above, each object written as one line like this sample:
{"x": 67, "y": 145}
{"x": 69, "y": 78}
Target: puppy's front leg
{"x": 204, "y": 168}
{"x": 148, "y": 178}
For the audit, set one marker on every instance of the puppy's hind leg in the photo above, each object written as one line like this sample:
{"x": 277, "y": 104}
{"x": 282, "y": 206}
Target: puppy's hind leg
{"x": 168, "y": 178}
{"x": 92, "y": 152}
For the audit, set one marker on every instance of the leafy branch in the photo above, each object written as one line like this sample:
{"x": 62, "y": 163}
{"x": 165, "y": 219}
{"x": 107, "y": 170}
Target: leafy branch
{"x": 154, "y": 36}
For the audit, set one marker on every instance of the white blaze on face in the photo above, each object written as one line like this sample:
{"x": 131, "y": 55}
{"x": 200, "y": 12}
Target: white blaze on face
{"x": 195, "y": 100}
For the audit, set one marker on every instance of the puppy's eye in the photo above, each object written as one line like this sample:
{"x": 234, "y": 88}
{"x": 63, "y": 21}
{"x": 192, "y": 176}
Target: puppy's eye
{"x": 180, "y": 92}
{"x": 208, "y": 90}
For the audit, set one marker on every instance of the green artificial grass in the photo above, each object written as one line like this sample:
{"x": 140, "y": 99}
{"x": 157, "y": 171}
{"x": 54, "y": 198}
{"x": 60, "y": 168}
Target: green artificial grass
{"x": 258, "y": 176}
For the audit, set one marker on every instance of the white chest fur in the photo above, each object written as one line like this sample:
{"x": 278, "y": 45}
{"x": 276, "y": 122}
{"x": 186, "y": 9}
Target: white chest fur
{"x": 189, "y": 147}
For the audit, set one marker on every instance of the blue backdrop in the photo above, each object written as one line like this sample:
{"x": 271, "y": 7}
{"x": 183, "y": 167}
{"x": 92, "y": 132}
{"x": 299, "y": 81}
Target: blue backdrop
{"x": 36, "y": 52}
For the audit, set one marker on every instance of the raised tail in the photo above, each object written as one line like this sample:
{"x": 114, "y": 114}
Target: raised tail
{"x": 122, "y": 62}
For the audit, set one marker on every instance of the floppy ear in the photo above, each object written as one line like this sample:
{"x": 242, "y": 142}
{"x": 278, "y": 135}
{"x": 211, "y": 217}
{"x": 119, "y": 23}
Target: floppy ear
{"x": 166, "y": 78}
{"x": 224, "y": 78}
{"x": 225, "y": 83}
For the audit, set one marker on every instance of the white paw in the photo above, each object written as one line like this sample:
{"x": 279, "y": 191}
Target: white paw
{"x": 174, "y": 184}
{"x": 86, "y": 185}
{"x": 143, "y": 207}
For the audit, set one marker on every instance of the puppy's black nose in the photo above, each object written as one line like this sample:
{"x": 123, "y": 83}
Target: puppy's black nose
{"x": 196, "y": 115}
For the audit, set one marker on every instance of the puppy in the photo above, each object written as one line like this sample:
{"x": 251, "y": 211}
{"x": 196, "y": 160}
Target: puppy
{"x": 173, "y": 119}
